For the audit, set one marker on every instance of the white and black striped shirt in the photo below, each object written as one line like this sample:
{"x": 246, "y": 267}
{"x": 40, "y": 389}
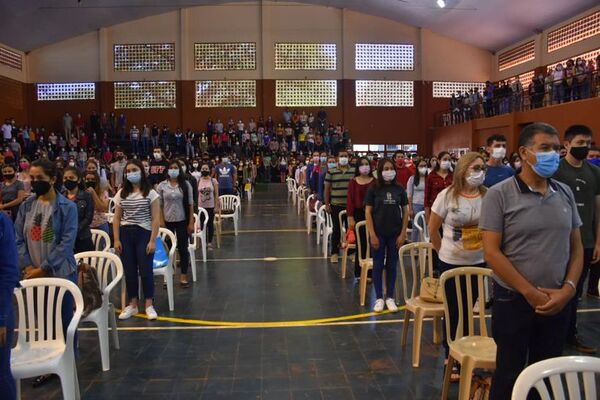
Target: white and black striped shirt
{"x": 136, "y": 208}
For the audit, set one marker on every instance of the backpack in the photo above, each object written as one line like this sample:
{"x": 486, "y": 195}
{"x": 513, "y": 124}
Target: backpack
{"x": 87, "y": 280}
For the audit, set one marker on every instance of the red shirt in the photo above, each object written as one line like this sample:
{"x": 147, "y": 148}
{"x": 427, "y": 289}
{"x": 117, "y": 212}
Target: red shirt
{"x": 403, "y": 174}
{"x": 434, "y": 185}
{"x": 356, "y": 196}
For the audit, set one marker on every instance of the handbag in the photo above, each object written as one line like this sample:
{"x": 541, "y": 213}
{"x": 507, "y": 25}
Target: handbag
{"x": 431, "y": 290}
{"x": 87, "y": 280}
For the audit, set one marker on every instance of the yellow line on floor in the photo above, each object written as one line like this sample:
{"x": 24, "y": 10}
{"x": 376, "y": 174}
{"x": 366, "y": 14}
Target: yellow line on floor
{"x": 274, "y": 324}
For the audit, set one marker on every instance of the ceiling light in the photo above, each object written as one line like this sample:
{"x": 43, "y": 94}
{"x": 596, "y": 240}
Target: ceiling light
{"x": 441, "y": 3}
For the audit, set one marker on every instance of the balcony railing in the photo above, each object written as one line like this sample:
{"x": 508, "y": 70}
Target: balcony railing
{"x": 537, "y": 95}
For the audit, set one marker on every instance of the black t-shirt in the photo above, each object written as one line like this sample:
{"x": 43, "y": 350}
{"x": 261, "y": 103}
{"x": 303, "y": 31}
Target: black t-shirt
{"x": 158, "y": 171}
{"x": 387, "y": 203}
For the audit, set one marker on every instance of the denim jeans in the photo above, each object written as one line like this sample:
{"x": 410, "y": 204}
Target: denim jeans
{"x": 385, "y": 258}
{"x": 572, "y": 306}
{"x": 134, "y": 240}
{"x": 522, "y": 337}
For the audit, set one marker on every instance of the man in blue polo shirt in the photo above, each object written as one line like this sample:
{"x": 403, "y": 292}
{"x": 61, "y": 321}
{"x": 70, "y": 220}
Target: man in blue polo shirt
{"x": 496, "y": 170}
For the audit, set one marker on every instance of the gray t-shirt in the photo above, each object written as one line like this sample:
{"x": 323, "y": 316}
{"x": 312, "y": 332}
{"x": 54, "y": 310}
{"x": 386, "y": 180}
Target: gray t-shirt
{"x": 536, "y": 229}
{"x": 39, "y": 232}
{"x": 9, "y": 193}
{"x": 172, "y": 200}
{"x": 116, "y": 169}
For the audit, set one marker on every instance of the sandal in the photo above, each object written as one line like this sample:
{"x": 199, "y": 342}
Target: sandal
{"x": 184, "y": 284}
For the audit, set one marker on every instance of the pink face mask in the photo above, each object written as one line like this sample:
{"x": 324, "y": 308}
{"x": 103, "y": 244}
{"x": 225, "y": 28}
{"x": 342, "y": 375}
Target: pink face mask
{"x": 364, "y": 169}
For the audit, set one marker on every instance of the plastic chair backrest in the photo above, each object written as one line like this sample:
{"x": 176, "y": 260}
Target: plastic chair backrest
{"x": 171, "y": 246}
{"x": 39, "y": 303}
{"x": 111, "y": 206}
{"x": 229, "y": 202}
{"x": 555, "y": 372}
{"x": 109, "y": 268}
{"x": 289, "y": 184}
{"x": 100, "y": 237}
{"x": 466, "y": 273}
{"x": 419, "y": 223}
{"x": 328, "y": 220}
{"x": 342, "y": 216}
{"x": 362, "y": 225}
{"x": 421, "y": 262}
{"x": 321, "y": 212}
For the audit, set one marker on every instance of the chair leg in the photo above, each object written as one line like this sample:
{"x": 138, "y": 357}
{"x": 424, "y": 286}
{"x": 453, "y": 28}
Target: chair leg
{"x": 363, "y": 285}
{"x": 437, "y": 332}
{"x": 405, "y": 327}
{"x": 203, "y": 246}
{"x": 447, "y": 375}
{"x": 466, "y": 375}
{"x": 68, "y": 381}
{"x": 417, "y": 332}
{"x": 113, "y": 326}
{"x": 102, "y": 325}
{"x": 192, "y": 261}
{"x": 308, "y": 224}
{"x": 344, "y": 262}
{"x": 170, "y": 294}
{"x": 235, "y": 225}
{"x": 325, "y": 243}
{"x": 18, "y": 385}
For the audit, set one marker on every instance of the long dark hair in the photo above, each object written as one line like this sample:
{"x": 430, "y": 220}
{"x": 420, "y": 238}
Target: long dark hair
{"x": 145, "y": 185}
{"x": 380, "y": 182}
{"x": 360, "y": 159}
{"x": 417, "y": 176}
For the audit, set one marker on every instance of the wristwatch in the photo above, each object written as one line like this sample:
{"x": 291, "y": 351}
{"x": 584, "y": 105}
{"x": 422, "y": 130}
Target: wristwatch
{"x": 570, "y": 283}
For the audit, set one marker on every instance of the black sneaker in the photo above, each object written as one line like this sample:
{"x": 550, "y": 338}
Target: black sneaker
{"x": 581, "y": 347}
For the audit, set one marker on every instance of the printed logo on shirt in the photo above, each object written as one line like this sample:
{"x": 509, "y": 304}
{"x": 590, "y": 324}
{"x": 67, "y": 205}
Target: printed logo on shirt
{"x": 224, "y": 172}
{"x": 389, "y": 199}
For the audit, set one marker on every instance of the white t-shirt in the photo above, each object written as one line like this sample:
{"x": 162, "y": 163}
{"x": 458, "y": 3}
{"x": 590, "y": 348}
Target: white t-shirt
{"x": 136, "y": 208}
{"x": 462, "y": 242}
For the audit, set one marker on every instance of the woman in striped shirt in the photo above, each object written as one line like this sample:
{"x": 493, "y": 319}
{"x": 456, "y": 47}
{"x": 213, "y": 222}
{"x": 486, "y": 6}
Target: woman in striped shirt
{"x": 135, "y": 228}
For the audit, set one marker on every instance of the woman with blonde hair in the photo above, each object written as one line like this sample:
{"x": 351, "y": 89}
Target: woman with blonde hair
{"x": 457, "y": 209}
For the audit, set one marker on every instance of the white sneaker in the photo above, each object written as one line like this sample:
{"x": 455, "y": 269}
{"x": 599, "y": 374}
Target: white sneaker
{"x": 334, "y": 258}
{"x": 391, "y": 304}
{"x": 128, "y": 312}
{"x": 151, "y": 313}
{"x": 378, "y": 307}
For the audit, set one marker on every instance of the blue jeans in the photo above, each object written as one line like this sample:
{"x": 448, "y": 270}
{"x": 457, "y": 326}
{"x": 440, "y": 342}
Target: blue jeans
{"x": 7, "y": 382}
{"x": 145, "y": 145}
{"x": 385, "y": 258}
{"x": 135, "y": 144}
{"x": 134, "y": 240}
{"x": 417, "y": 208}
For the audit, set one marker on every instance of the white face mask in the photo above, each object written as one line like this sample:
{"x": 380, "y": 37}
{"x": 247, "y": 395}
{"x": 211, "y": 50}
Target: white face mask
{"x": 343, "y": 160}
{"x": 157, "y": 156}
{"x": 445, "y": 165}
{"x": 498, "y": 153}
{"x": 476, "y": 178}
{"x": 389, "y": 175}
{"x": 422, "y": 170}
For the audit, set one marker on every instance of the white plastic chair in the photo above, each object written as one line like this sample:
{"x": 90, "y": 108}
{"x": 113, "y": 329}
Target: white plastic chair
{"x": 301, "y": 202}
{"x": 556, "y": 371}
{"x": 327, "y": 232}
{"x": 366, "y": 263}
{"x": 290, "y": 186}
{"x": 231, "y": 203}
{"x": 41, "y": 346}
{"x": 421, "y": 225}
{"x": 109, "y": 270}
{"x": 168, "y": 270}
{"x": 198, "y": 239}
{"x": 101, "y": 240}
{"x": 294, "y": 185}
{"x": 310, "y": 214}
{"x": 321, "y": 221}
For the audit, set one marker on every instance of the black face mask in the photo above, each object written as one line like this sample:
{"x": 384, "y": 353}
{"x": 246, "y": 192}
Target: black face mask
{"x": 90, "y": 184}
{"x": 204, "y": 173}
{"x": 9, "y": 177}
{"x": 70, "y": 185}
{"x": 40, "y": 188}
{"x": 579, "y": 153}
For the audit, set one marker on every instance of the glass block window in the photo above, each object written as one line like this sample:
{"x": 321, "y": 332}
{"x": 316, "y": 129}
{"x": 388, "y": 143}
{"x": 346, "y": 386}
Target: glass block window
{"x": 144, "y": 57}
{"x": 305, "y": 93}
{"x": 574, "y": 32}
{"x": 66, "y": 91}
{"x": 370, "y": 93}
{"x": 516, "y": 56}
{"x": 445, "y": 89}
{"x": 305, "y": 56}
{"x": 11, "y": 58}
{"x": 384, "y": 57}
{"x": 226, "y": 93}
{"x": 525, "y": 78}
{"x": 360, "y": 148}
{"x": 146, "y": 94}
{"x": 590, "y": 55}
{"x": 224, "y": 56}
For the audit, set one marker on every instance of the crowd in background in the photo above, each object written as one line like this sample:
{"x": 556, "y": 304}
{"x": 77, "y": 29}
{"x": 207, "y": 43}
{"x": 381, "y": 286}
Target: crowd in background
{"x": 575, "y": 80}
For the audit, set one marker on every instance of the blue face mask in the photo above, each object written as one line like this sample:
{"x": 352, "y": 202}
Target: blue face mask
{"x": 323, "y": 159}
{"x": 546, "y": 163}
{"x": 173, "y": 173}
{"x": 134, "y": 177}
{"x": 331, "y": 165}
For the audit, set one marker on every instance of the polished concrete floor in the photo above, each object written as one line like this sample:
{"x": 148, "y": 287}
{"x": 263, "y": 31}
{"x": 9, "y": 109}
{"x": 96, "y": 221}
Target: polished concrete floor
{"x": 215, "y": 349}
